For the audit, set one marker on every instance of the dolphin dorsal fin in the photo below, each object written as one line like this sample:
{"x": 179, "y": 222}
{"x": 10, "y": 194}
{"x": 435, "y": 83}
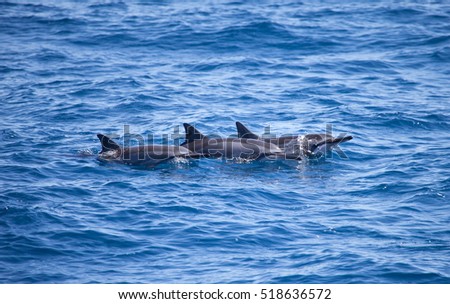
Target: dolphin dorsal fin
{"x": 243, "y": 132}
{"x": 107, "y": 143}
{"x": 192, "y": 133}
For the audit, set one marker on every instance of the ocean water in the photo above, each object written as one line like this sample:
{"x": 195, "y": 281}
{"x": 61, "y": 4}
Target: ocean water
{"x": 377, "y": 70}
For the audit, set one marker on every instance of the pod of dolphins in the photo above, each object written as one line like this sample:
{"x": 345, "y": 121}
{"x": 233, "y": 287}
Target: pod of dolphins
{"x": 247, "y": 146}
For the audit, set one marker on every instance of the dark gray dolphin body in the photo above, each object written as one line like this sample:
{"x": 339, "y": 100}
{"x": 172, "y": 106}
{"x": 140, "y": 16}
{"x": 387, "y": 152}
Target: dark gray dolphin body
{"x": 150, "y": 155}
{"x": 231, "y": 148}
{"x": 244, "y": 132}
{"x": 308, "y": 145}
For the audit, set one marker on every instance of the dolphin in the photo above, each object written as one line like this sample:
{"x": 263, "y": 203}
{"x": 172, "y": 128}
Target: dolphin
{"x": 150, "y": 155}
{"x": 230, "y": 148}
{"x": 244, "y": 132}
{"x": 308, "y": 145}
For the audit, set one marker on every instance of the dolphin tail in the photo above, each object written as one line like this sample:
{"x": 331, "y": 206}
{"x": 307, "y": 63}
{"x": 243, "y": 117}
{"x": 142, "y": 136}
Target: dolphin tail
{"x": 107, "y": 143}
{"x": 243, "y": 132}
{"x": 191, "y": 134}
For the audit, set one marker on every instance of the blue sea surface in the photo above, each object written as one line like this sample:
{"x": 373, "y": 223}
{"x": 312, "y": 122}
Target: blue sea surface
{"x": 376, "y": 70}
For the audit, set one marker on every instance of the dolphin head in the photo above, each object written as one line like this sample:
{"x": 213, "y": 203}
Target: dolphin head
{"x": 318, "y": 145}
